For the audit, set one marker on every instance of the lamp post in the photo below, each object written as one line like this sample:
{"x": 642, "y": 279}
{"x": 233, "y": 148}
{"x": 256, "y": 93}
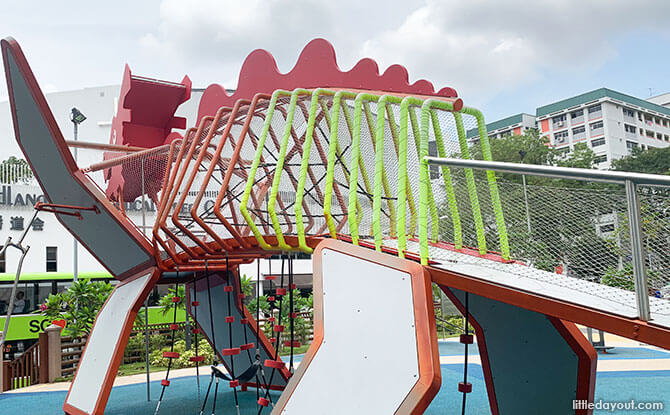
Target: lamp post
{"x": 522, "y": 154}
{"x": 77, "y": 118}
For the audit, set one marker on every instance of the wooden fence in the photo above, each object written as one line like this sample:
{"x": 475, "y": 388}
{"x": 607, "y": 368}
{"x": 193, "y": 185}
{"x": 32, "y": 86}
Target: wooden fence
{"x": 28, "y": 369}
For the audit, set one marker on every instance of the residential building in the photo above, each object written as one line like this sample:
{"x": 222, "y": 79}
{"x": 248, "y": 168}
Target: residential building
{"x": 515, "y": 124}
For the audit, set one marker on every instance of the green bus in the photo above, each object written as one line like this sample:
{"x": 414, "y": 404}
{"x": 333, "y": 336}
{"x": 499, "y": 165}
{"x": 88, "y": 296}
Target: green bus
{"x": 26, "y": 325}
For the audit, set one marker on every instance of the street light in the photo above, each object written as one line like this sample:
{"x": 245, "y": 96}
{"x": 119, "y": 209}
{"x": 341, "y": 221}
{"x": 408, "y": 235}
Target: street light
{"x": 77, "y": 118}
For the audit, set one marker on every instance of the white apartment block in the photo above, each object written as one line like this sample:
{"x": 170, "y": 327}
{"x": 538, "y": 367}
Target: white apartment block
{"x": 609, "y": 122}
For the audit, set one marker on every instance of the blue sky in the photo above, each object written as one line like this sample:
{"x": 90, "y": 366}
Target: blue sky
{"x": 502, "y": 56}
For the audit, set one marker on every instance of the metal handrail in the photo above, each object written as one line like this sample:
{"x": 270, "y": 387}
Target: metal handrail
{"x": 628, "y": 179}
{"x": 604, "y": 176}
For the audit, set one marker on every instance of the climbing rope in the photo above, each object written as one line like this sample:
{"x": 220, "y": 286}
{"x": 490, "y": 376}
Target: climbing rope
{"x": 171, "y": 354}
{"x": 465, "y": 387}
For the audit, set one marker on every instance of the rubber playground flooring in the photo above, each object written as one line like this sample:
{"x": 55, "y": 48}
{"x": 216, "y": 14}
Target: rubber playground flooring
{"x": 182, "y": 395}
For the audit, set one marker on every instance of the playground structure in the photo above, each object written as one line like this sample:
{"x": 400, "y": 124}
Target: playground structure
{"x": 335, "y": 164}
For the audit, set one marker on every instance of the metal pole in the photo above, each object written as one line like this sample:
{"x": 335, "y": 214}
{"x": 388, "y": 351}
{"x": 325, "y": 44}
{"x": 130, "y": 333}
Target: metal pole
{"x": 146, "y": 302}
{"x": 525, "y": 198}
{"x": 75, "y": 245}
{"x": 637, "y": 245}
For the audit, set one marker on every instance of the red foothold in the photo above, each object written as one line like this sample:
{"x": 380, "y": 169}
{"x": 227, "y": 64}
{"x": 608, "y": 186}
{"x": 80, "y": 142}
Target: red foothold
{"x": 165, "y": 382}
{"x": 293, "y": 315}
{"x": 247, "y": 346}
{"x": 176, "y": 299}
{"x": 293, "y": 286}
{"x": 244, "y": 321}
{"x": 234, "y": 383}
{"x": 174, "y": 326}
{"x": 195, "y": 303}
{"x": 263, "y": 402}
{"x": 278, "y": 328}
{"x": 271, "y": 319}
{"x": 271, "y": 298}
{"x": 197, "y": 358}
{"x": 281, "y": 291}
{"x": 228, "y": 288}
{"x": 270, "y": 277}
{"x": 242, "y": 296}
{"x": 274, "y": 364}
{"x": 230, "y": 319}
{"x": 467, "y": 338}
{"x": 296, "y": 343}
{"x": 171, "y": 355}
{"x": 230, "y": 352}
{"x": 195, "y": 330}
{"x": 465, "y": 387}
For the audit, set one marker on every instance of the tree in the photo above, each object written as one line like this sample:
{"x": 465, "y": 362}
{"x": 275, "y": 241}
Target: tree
{"x": 14, "y": 170}
{"x": 78, "y": 306}
{"x": 653, "y": 161}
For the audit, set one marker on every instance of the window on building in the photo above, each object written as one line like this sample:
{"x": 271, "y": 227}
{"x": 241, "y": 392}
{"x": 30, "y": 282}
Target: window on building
{"x": 659, "y": 136}
{"x": 598, "y": 142}
{"x": 607, "y": 228}
{"x": 2, "y": 261}
{"x": 650, "y": 134}
{"x": 600, "y": 159}
{"x": 579, "y": 130}
{"x": 595, "y": 108}
{"x": 52, "y": 258}
{"x": 627, "y": 112}
{"x": 576, "y": 114}
{"x": 562, "y": 151}
{"x": 630, "y": 145}
{"x": 666, "y": 137}
{"x": 561, "y": 137}
{"x": 639, "y": 116}
{"x": 596, "y": 127}
{"x": 630, "y": 128}
{"x": 657, "y": 120}
{"x": 558, "y": 118}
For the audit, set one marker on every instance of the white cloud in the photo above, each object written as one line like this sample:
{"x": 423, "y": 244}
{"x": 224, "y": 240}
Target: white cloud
{"x": 484, "y": 47}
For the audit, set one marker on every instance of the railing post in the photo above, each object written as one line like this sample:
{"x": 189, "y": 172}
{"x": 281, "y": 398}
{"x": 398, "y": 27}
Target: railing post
{"x": 43, "y": 358}
{"x": 5, "y": 375}
{"x": 637, "y": 248}
{"x": 54, "y": 359}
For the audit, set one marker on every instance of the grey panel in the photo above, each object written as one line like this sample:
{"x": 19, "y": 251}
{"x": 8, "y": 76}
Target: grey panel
{"x": 534, "y": 370}
{"x": 100, "y": 233}
{"x": 221, "y": 328}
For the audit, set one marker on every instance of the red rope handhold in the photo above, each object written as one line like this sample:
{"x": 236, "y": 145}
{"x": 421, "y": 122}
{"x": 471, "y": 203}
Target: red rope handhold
{"x": 197, "y": 358}
{"x": 274, "y": 364}
{"x": 234, "y": 383}
{"x": 165, "y": 382}
{"x": 174, "y": 326}
{"x": 230, "y": 319}
{"x": 263, "y": 402}
{"x": 278, "y": 328}
{"x": 247, "y": 346}
{"x": 281, "y": 291}
{"x": 176, "y": 299}
{"x": 230, "y": 352}
{"x": 228, "y": 288}
{"x": 171, "y": 355}
{"x": 465, "y": 387}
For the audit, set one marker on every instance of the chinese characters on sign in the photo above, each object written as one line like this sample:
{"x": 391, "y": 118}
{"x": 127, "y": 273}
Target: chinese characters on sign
{"x": 16, "y": 223}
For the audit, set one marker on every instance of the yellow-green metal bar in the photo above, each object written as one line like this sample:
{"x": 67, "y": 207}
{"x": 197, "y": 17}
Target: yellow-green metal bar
{"x": 490, "y": 175}
{"x": 306, "y": 152}
{"x": 470, "y": 181}
{"x": 380, "y": 174}
{"x": 279, "y": 168}
{"x": 384, "y": 179}
{"x": 254, "y": 167}
{"x": 401, "y": 152}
